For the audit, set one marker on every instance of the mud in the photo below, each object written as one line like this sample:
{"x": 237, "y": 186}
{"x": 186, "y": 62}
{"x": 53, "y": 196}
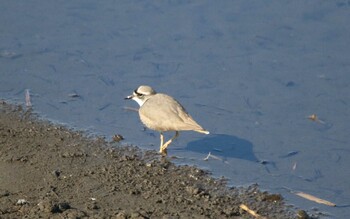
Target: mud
{"x": 49, "y": 171}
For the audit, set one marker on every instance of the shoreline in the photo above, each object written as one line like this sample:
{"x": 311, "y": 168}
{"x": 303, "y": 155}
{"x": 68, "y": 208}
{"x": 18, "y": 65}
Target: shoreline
{"x": 51, "y": 171}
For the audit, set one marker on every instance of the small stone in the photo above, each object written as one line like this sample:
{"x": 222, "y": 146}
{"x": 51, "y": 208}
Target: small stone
{"x": 192, "y": 190}
{"x": 4, "y": 193}
{"x": 272, "y": 197}
{"x": 118, "y": 138}
{"x": 92, "y": 206}
{"x": 301, "y": 214}
{"x": 44, "y": 206}
{"x": 63, "y": 206}
{"x": 121, "y": 215}
{"x": 21, "y": 202}
{"x": 136, "y": 215}
{"x": 73, "y": 213}
{"x": 57, "y": 173}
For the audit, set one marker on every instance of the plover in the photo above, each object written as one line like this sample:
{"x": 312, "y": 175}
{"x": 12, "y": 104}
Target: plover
{"x": 163, "y": 113}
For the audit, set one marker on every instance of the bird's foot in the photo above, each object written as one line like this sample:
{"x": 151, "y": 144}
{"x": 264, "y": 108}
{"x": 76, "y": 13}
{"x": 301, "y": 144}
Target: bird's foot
{"x": 163, "y": 151}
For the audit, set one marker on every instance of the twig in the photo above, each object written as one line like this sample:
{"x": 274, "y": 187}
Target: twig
{"x": 314, "y": 198}
{"x": 311, "y": 197}
{"x": 251, "y": 212}
{"x": 207, "y": 158}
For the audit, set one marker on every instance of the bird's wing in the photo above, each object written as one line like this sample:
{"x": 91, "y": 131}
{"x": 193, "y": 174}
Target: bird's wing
{"x": 164, "y": 113}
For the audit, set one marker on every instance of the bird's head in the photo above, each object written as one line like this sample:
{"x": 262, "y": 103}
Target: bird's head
{"x": 141, "y": 94}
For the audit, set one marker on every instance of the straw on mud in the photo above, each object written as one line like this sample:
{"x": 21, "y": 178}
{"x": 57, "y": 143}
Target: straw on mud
{"x": 251, "y": 212}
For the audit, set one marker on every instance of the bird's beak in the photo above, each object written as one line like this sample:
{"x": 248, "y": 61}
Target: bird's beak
{"x": 129, "y": 97}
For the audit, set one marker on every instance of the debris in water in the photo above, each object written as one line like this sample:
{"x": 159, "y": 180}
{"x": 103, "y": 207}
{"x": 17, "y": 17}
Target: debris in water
{"x": 290, "y": 154}
{"x": 73, "y": 95}
{"x": 315, "y": 118}
{"x": 311, "y": 197}
{"x": 314, "y": 198}
{"x": 27, "y": 98}
{"x": 214, "y": 157}
{"x": 207, "y": 158}
{"x": 9, "y": 54}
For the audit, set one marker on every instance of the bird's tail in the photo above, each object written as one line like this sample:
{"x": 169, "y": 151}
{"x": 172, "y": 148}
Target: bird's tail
{"x": 203, "y": 131}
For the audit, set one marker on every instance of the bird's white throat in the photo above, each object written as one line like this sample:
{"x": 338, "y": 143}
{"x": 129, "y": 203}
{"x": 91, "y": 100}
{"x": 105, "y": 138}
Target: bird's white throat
{"x": 139, "y": 101}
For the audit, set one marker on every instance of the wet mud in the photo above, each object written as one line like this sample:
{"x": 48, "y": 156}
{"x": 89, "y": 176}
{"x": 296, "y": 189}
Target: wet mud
{"x": 50, "y": 171}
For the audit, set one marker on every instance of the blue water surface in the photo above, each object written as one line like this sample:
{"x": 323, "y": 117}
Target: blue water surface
{"x": 251, "y": 72}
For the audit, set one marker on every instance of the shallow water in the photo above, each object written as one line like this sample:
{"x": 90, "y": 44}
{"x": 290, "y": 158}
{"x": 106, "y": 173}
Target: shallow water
{"x": 249, "y": 72}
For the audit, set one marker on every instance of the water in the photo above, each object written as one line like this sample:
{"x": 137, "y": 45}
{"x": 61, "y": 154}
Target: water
{"x": 250, "y": 72}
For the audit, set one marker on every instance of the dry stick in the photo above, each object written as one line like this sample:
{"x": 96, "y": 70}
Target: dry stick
{"x": 314, "y": 198}
{"x": 251, "y": 212}
{"x": 311, "y": 197}
{"x": 207, "y": 158}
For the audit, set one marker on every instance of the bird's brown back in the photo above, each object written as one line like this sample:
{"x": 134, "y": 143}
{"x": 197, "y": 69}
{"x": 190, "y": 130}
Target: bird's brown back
{"x": 163, "y": 113}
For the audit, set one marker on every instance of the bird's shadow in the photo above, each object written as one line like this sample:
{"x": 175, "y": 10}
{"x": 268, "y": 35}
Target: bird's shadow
{"x": 227, "y": 146}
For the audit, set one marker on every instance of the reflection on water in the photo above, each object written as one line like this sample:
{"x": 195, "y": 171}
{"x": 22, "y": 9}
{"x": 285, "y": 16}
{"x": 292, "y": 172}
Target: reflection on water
{"x": 226, "y": 146}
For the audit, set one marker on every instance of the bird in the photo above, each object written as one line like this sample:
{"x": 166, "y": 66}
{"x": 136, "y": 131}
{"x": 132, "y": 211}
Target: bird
{"x": 162, "y": 113}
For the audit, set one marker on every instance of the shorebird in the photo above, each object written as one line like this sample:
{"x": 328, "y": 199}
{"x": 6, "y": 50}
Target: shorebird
{"x": 163, "y": 113}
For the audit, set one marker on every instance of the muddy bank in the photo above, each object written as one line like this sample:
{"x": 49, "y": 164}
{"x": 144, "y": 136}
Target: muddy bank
{"x": 51, "y": 172}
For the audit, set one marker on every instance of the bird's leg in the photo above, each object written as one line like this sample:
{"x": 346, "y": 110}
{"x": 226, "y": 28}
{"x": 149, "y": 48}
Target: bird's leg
{"x": 161, "y": 139}
{"x": 164, "y": 146}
